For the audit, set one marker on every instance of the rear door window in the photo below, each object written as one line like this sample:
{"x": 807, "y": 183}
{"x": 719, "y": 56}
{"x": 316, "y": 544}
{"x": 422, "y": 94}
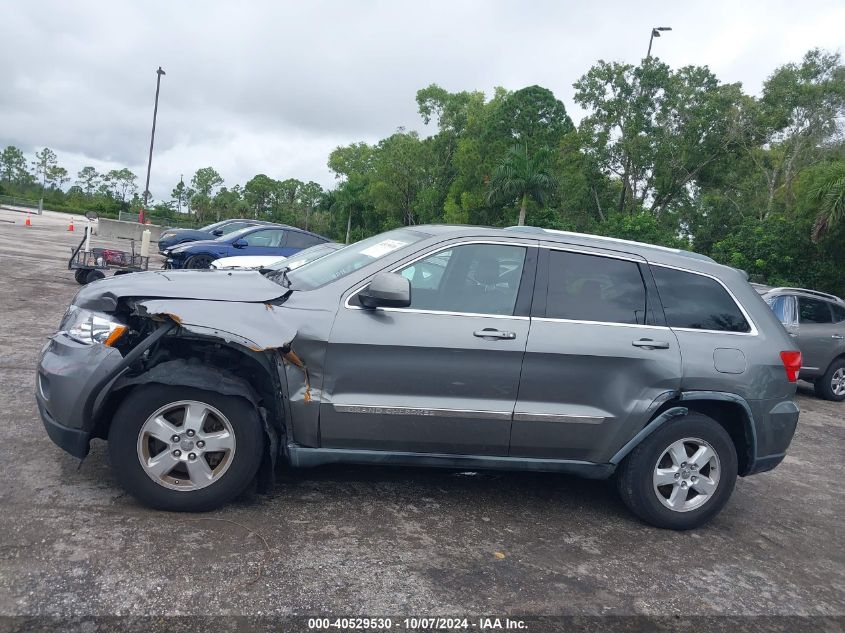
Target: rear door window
{"x": 595, "y": 288}
{"x": 302, "y": 240}
{"x": 813, "y": 311}
{"x": 695, "y": 302}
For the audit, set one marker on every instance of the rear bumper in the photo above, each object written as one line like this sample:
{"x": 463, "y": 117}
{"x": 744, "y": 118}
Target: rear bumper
{"x": 774, "y": 426}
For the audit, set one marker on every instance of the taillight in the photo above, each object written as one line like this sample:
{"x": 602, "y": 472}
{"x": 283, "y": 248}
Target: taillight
{"x": 791, "y": 363}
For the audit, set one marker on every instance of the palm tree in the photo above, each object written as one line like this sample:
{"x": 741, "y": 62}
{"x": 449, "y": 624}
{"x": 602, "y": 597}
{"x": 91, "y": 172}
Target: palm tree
{"x": 520, "y": 176}
{"x": 830, "y": 194}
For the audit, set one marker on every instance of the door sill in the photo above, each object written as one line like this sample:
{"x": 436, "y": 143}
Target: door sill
{"x": 302, "y": 457}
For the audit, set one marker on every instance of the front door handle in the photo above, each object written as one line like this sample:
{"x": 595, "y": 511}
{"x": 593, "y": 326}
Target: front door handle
{"x": 837, "y": 336}
{"x": 493, "y": 333}
{"x": 647, "y": 343}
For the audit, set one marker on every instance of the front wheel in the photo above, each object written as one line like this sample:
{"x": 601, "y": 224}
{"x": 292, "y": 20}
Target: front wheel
{"x": 831, "y": 386}
{"x": 181, "y": 448}
{"x": 199, "y": 261}
{"x": 681, "y": 475}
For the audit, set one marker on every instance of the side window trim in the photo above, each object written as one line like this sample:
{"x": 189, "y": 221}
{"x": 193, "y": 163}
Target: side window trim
{"x": 529, "y": 263}
{"x": 752, "y": 326}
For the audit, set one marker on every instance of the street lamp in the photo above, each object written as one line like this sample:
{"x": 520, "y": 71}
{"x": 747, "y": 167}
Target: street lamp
{"x": 655, "y": 32}
{"x": 159, "y": 73}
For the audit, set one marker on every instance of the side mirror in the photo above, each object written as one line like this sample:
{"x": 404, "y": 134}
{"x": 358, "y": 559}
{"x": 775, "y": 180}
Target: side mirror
{"x": 217, "y": 232}
{"x": 386, "y": 290}
{"x": 239, "y": 243}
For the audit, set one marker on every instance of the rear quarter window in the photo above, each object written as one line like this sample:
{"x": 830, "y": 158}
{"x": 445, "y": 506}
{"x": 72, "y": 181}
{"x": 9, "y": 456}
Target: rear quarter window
{"x": 696, "y": 302}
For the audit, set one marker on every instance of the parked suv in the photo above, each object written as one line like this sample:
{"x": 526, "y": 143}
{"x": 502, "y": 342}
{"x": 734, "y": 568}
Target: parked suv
{"x": 461, "y": 347}
{"x": 816, "y": 321}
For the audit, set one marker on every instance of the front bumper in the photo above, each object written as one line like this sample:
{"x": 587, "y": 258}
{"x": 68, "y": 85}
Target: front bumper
{"x": 69, "y": 375}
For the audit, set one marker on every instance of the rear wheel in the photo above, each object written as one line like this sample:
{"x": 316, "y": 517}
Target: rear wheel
{"x": 199, "y": 261}
{"x": 831, "y": 386}
{"x": 80, "y": 275}
{"x": 181, "y": 448}
{"x": 681, "y": 475}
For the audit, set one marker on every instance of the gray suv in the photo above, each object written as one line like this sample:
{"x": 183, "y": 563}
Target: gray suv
{"x": 816, "y": 321}
{"x": 459, "y": 347}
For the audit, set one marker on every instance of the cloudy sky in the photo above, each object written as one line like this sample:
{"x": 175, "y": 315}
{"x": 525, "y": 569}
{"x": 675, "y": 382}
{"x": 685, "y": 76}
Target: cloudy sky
{"x": 272, "y": 87}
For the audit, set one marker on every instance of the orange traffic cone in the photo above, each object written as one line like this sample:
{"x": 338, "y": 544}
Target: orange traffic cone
{"x": 27, "y": 223}
{"x": 70, "y": 226}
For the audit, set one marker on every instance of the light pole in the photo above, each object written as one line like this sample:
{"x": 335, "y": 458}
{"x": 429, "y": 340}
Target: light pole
{"x": 159, "y": 73}
{"x": 655, "y": 32}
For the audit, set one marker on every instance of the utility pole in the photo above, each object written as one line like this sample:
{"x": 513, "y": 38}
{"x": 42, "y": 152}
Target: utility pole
{"x": 159, "y": 73}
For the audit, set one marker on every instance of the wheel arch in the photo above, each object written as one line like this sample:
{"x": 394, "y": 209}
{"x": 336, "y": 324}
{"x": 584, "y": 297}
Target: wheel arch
{"x": 732, "y": 412}
{"x": 211, "y": 365}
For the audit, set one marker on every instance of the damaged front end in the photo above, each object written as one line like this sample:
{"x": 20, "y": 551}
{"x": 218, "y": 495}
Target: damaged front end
{"x": 112, "y": 340}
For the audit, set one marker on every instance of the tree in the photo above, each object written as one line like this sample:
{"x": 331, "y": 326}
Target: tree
{"x": 829, "y": 194}
{"x": 656, "y": 129}
{"x": 534, "y": 118}
{"x": 121, "y": 182}
{"x": 57, "y": 176}
{"x": 801, "y": 107}
{"x": 88, "y": 179}
{"x": 522, "y": 177}
{"x": 204, "y": 182}
{"x": 44, "y": 161}
{"x": 258, "y": 194}
{"x": 13, "y": 166}
{"x": 179, "y": 195}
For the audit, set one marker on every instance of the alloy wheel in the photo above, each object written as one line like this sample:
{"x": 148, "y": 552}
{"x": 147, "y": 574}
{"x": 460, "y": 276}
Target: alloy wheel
{"x": 837, "y": 382}
{"x": 186, "y": 445}
{"x": 686, "y": 475}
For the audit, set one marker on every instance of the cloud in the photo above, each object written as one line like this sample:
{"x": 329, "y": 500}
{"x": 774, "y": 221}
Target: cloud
{"x": 271, "y": 87}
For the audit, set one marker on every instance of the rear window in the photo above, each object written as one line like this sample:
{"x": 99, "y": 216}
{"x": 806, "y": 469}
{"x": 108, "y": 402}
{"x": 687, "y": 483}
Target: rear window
{"x": 838, "y": 313}
{"x": 697, "y": 302}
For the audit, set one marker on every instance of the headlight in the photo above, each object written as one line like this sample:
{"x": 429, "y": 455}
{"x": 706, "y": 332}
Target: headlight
{"x": 87, "y": 327}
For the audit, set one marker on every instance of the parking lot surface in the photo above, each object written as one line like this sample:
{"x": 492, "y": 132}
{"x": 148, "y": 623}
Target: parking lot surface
{"x": 366, "y": 540}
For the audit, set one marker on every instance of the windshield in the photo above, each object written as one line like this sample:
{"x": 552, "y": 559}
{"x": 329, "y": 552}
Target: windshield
{"x": 211, "y": 227}
{"x": 349, "y": 259}
{"x": 303, "y": 257}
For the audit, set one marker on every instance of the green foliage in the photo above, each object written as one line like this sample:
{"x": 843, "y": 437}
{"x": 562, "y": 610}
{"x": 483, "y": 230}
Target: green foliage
{"x": 665, "y": 156}
{"x": 522, "y": 177}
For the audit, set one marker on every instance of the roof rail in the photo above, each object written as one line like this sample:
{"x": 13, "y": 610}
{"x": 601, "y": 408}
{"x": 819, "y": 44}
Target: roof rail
{"x": 817, "y": 293}
{"x": 613, "y": 240}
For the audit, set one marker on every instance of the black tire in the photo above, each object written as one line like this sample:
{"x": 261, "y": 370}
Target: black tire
{"x": 126, "y": 426}
{"x": 80, "y": 274}
{"x": 635, "y": 475}
{"x": 94, "y": 275}
{"x": 199, "y": 261}
{"x": 824, "y": 386}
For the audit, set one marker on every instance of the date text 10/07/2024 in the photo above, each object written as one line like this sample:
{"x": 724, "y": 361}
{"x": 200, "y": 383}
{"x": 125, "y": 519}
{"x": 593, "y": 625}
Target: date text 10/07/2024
{"x": 417, "y": 623}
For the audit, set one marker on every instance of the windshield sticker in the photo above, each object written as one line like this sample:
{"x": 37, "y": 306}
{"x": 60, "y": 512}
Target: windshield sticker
{"x": 382, "y": 248}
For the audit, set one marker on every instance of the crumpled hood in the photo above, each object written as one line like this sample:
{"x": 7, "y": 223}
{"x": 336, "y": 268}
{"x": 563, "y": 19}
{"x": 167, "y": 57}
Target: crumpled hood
{"x": 209, "y": 285}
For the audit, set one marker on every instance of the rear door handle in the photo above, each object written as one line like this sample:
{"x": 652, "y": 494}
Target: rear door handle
{"x": 492, "y": 333}
{"x": 837, "y": 336}
{"x": 647, "y": 343}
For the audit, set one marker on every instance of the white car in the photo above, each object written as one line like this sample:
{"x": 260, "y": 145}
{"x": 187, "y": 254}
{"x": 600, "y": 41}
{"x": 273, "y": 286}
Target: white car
{"x": 246, "y": 262}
